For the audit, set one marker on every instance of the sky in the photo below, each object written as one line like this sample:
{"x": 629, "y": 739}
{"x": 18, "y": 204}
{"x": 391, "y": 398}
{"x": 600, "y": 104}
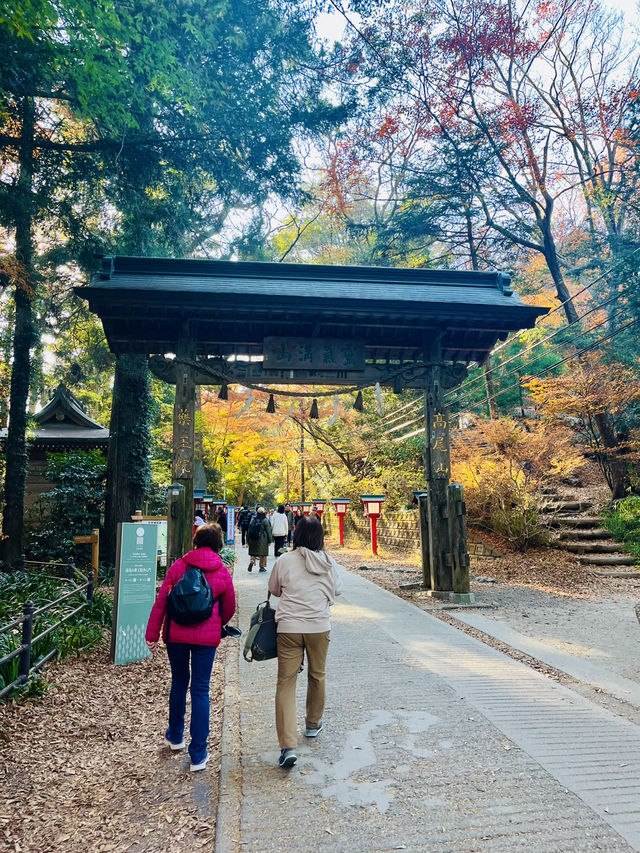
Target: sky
{"x": 330, "y": 26}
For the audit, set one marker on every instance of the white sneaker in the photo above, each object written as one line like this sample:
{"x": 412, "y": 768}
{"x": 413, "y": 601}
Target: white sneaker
{"x": 200, "y": 766}
{"x": 175, "y": 747}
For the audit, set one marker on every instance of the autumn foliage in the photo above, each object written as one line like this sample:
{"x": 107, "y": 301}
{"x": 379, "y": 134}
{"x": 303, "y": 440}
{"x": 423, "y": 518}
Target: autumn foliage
{"x": 503, "y": 466}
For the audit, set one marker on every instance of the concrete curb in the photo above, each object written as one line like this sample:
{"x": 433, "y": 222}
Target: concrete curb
{"x": 230, "y": 776}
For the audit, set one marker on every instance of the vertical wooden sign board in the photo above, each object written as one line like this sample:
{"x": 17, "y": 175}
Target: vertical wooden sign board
{"x": 134, "y": 591}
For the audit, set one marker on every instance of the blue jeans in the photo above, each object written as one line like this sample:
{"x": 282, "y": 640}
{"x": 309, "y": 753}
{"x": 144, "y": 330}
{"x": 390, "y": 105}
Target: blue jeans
{"x": 201, "y": 664}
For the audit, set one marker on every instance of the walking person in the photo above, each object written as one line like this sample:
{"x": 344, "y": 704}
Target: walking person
{"x": 279, "y": 528}
{"x": 244, "y": 520}
{"x": 222, "y": 521}
{"x": 307, "y": 581}
{"x": 259, "y": 537}
{"x": 289, "y": 514}
{"x": 298, "y": 517}
{"x": 193, "y": 647}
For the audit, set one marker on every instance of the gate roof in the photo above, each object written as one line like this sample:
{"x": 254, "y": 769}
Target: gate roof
{"x": 232, "y": 306}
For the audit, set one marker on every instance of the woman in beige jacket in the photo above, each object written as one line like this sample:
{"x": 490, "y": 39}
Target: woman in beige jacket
{"x": 307, "y": 581}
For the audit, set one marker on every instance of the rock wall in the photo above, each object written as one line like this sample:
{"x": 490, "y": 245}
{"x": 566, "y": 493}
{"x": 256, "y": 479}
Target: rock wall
{"x": 395, "y": 530}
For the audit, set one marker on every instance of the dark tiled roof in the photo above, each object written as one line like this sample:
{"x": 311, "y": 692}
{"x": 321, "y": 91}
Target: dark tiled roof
{"x": 231, "y": 307}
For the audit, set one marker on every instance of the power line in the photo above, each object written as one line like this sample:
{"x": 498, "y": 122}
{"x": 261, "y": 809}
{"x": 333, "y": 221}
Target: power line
{"x": 540, "y": 342}
{"x": 574, "y": 337}
{"x": 517, "y": 370}
{"x": 562, "y": 304}
{"x": 580, "y": 352}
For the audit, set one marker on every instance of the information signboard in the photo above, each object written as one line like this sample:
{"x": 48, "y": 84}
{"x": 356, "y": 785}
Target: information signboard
{"x": 134, "y": 590}
{"x": 231, "y": 525}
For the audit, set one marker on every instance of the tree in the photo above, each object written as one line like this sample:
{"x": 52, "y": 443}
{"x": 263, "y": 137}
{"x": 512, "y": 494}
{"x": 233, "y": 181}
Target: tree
{"x": 537, "y": 89}
{"x": 601, "y": 395}
{"x": 135, "y": 127}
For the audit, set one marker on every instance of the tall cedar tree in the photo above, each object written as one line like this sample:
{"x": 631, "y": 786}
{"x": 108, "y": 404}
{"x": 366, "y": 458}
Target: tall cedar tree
{"x": 142, "y": 123}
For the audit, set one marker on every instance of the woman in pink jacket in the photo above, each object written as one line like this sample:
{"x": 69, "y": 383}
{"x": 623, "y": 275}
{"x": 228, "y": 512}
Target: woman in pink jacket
{"x": 193, "y": 643}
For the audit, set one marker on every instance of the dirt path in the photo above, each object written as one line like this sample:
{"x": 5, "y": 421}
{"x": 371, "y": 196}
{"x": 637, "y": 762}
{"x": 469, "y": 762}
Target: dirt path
{"x": 85, "y": 769}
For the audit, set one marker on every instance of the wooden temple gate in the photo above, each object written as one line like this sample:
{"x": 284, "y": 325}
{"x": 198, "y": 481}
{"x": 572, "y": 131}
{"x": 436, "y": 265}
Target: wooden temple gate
{"x": 263, "y": 325}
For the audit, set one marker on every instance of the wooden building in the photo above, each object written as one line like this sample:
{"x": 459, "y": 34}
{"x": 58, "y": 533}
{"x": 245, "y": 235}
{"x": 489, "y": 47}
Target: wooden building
{"x": 61, "y": 426}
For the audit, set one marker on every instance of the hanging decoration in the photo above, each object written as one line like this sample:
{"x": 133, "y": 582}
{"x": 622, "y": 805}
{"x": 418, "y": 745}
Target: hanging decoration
{"x": 378, "y": 393}
{"x": 336, "y": 411}
{"x": 314, "y": 410}
{"x": 247, "y": 405}
{"x": 271, "y": 405}
{"x": 359, "y": 403}
{"x": 224, "y": 392}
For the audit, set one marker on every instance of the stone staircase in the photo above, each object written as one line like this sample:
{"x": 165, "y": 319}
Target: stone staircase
{"x": 579, "y": 529}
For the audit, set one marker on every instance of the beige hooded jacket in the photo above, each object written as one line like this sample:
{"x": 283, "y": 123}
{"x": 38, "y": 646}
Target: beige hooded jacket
{"x": 307, "y": 583}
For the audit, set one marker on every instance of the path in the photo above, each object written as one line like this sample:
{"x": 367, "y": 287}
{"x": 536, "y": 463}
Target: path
{"x": 433, "y": 742}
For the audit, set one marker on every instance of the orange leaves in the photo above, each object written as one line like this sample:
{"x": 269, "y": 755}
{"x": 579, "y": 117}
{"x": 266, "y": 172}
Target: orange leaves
{"x": 591, "y": 388}
{"x": 13, "y": 272}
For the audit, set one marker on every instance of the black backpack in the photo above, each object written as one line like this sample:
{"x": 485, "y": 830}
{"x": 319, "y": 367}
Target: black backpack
{"x": 191, "y": 599}
{"x": 256, "y": 529}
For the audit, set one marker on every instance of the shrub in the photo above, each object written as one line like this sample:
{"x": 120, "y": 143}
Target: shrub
{"x": 622, "y": 520}
{"x": 502, "y": 467}
{"x": 73, "y": 507}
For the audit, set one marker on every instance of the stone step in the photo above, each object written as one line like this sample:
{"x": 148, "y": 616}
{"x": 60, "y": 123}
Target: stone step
{"x": 574, "y": 521}
{"x": 607, "y": 559}
{"x": 592, "y": 547}
{"x": 566, "y": 506}
{"x": 584, "y": 533}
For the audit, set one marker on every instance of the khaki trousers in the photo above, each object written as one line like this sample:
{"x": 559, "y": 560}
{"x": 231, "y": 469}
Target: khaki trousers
{"x": 290, "y": 651}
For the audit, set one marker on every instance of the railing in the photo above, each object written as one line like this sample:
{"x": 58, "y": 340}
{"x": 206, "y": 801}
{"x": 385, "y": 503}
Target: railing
{"x": 30, "y": 614}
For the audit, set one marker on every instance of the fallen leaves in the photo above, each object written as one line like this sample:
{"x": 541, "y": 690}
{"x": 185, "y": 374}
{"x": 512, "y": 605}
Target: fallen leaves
{"x": 84, "y": 768}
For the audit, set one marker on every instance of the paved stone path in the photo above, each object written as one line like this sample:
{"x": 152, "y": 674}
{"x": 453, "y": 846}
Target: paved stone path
{"x": 433, "y": 742}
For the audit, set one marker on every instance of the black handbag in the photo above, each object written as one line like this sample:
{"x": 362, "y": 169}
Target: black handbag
{"x": 262, "y": 638}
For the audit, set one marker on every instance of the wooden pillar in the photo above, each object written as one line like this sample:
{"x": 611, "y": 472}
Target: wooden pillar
{"x": 184, "y": 445}
{"x": 437, "y": 472}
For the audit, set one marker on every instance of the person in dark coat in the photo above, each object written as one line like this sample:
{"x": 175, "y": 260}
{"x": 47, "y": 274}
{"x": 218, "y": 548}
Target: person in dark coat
{"x": 289, "y": 514}
{"x": 222, "y": 521}
{"x": 259, "y": 540}
{"x": 244, "y": 520}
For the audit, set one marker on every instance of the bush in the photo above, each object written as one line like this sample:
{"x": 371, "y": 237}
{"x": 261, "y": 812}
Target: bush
{"x": 80, "y": 632}
{"x": 502, "y": 467}
{"x": 228, "y": 556}
{"x": 622, "y": 520}
{"x": 73, "y": 507}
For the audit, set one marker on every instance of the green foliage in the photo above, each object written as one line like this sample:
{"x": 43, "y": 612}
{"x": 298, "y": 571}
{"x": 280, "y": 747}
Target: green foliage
{"x": 228, "y": 556}
{"x": 78, "y": 633}
{"x": 622, "y": 520}
{"x": 73, "y": 507}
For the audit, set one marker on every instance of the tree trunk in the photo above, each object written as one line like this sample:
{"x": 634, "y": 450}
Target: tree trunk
{"x": 551, "y": 257}
{"x": 618, "y": 468}
{"x": 128, "y": 463}
{"x": 15, "y": 445}
{"x": 491, "y": 391}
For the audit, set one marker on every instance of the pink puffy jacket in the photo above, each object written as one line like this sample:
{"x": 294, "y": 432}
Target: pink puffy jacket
{"x": 205, "y": 633}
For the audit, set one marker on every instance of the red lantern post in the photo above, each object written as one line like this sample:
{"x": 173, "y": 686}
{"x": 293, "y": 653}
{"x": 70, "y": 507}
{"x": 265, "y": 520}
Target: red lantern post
{"x": 318, "y": 505}
{"x": 340, "y": 507}
{"x": 372, "y": 505}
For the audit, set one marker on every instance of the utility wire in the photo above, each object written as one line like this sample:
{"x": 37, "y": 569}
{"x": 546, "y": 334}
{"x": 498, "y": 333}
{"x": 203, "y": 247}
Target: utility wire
{"x": 516, "y": 370}
{"x": 577, "y": 354}
{"x": 562, "y": 304}
{"x": 533, "y": 360}
{"x": 559, "y": 331}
